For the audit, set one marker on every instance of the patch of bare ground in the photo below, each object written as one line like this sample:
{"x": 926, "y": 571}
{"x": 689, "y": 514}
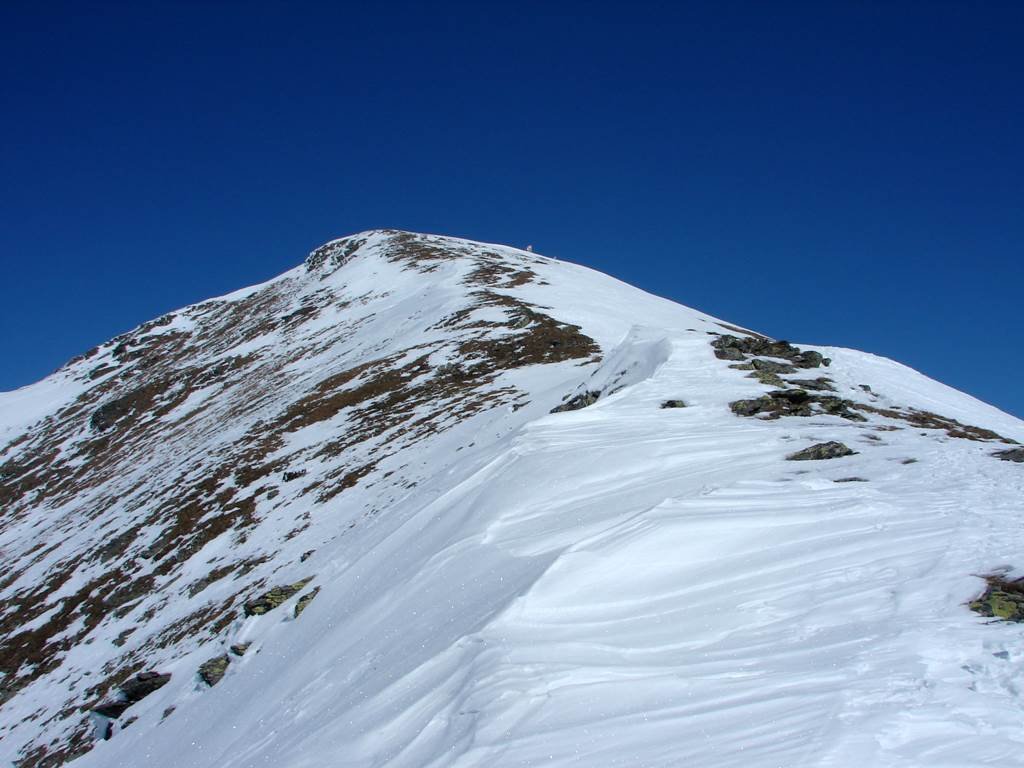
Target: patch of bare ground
{"x": 58, "y": 752}
{"x": 928, "y": 420}
{"x": 790, "y": 401}
{"x": 337, "y": 252}
{"x": 1003, "y": 598}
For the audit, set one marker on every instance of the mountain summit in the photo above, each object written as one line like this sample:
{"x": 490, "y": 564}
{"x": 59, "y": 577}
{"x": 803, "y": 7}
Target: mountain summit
{"x": 425, "y": 502}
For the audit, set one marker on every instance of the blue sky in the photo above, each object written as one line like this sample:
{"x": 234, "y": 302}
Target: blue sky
{"x": 835, "y": 173}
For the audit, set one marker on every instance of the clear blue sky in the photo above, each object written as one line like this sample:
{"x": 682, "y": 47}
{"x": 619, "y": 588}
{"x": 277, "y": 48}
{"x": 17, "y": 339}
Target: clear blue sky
{"x": 836, "y": 173}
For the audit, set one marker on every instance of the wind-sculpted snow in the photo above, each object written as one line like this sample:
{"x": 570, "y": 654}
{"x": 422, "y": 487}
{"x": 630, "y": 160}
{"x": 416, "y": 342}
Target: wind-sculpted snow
{"x": 618, "y": 584}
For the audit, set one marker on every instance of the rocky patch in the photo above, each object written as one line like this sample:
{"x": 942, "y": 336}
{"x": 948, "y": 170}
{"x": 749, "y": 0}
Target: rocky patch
{"x": 271, "y": 599}
{"x": 212, "y": 670}
{"x": 928, "y": 420}
{"x": 1002, "y": 599}
{"x": 728, "y": 347}
{"x": 305, "y": 600}
{"x": 796, "y": 402}
{"x": 581, "y": 400}
{"x": 1011, "y": 454}
{"x": 822, "y": 451}
{"x": 130, "y": 692}
{"x": 336, "y": 253}
{"x": 820, "y": 384}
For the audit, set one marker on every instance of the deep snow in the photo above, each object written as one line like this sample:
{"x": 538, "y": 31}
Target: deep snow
{"x": 622, "y": 585}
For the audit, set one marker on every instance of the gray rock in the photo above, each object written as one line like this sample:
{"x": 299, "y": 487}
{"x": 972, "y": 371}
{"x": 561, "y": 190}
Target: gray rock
{"x": 132, "y": 691}
{"x": 673, "y": 404}
{"x": 820, "y": 384}
{"x": 771, "y": 366}
{"x": 212, "y": 670}
{"x": 269, "y": 600}
{"x": 1010, "y": 454}
{"x": 768, "y": 378}
{"x": 305, "y": 600}
{"x": 578, "y": 402}
{"x": 1003, "y": 599}
{"x": 821, "y": 451}
{"x": 728, "y": 347}
{"x": 783, "y": 402}
{"x": 796, "y": 402}
{"x": 729, "y": 353}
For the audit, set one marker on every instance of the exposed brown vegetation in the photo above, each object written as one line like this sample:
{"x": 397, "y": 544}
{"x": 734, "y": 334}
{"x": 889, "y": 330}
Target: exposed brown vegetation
{"x": 928, "y": 420}
{"x": 140, "y": 507}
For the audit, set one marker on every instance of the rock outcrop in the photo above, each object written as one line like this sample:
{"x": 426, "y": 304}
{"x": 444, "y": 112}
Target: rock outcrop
{"x": 212, "y": 670}
{"x": 132, "y": 691}
{"x": 728, "y": 347}
{"x": 1002, "y": 599}
{"x": 1011, "y": 454}
{"x": 821, "y": 451}
{"x": 274, "y": 597}
{"x": 305, "y": 600}
{"x": 576, "y": 403}
{"x": 796, "y": 402}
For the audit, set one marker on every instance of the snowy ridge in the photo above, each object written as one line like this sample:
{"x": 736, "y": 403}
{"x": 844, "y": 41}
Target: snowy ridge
{"x": 622, "y": 584}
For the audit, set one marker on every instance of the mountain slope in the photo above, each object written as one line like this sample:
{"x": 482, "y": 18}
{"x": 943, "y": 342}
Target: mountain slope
{"x": 617, "y": 584}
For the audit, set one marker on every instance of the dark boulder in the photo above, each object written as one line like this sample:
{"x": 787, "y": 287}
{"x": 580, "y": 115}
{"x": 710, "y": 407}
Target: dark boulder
{"x": 1003, "y": 599}
{"x": 809, "y": 359}
{"x": 796, "y": 402}
{"x": 836, "y": 406}
{"x": 143, "y": 684}
{"x": 771, "y": 366}
{"x": 1010, "y": 454}
{"x": 107, "y": 415}
{"x": 729, "y": 353}
{"x": 112, "y": 708}
{"x": 212, "y": 670}
{"x": 578, "y": 402}
{"x": 728, "y": 347}
{"x": 673, "y": 404}
{"x": 821, "y": 451}
{"x": 820, "y": 384}
{"x": 783, "y": 402}
{"x": 132, "y": 691}
{"x": 272, "y": 598}
{"x": 767, "y": 378}
{"x": 305, "y": 600}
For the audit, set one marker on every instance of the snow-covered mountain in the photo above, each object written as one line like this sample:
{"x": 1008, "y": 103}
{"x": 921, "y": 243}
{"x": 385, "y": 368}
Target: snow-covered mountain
{"x": 429, "y": 502}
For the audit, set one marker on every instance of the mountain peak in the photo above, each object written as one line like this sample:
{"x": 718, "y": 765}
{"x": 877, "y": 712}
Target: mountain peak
{"x": 406, "y": 247}
{"x": 426, "y": 501}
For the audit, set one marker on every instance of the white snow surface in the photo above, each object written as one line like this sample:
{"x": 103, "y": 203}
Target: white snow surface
{"x": 622, "y": 585}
